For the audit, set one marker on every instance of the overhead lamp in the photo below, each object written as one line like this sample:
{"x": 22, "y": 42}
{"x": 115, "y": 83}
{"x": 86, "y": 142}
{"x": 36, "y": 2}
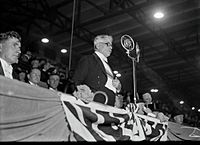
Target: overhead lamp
{"x": 193, "y": 108}
{"x": 181, "y": 102}
{"x": 115, "y": 72}
{"x": 45, "y": 40}
{"x": 158, "y": 15}
{"x": 118, "y": 75}
{"x": 63, "y": 50}
{"x": 154, "y": 90}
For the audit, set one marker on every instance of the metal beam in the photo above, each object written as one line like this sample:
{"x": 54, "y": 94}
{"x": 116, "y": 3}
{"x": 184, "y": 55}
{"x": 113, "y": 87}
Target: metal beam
{"x": 140, "y": 16}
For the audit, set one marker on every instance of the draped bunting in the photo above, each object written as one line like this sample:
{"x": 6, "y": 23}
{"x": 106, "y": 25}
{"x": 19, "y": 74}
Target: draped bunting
{"x": 30, "y": 113}
{"x": 177, "y": 132}
{"x": 99, "y": 122}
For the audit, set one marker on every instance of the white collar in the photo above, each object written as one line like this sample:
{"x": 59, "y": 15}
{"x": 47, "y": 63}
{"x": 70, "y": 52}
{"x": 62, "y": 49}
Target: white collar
{"x": 101, "y": 56}
{"x": 7, "y": 68}
{"x": 33, "y": 83}
{"x": 4, "y": 63}
{"x": 52, "y": 89}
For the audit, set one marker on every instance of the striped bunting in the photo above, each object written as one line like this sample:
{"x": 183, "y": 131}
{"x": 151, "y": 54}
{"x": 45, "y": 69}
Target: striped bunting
{"x": 99, "y": 122}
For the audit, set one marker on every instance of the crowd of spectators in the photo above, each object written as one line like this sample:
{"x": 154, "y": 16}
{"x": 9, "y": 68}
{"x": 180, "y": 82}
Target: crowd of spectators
{"x": 179, "y": 115}
{"x": 42, "y": 72}
{"x": 49, "y": 75}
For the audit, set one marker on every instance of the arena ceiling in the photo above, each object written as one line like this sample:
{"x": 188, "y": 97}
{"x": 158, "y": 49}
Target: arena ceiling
{"x": 170, "y": 48}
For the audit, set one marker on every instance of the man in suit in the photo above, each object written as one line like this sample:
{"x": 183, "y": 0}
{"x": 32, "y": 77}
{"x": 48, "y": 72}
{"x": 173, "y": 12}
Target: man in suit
{"x": 9, "y": 52}
{"x": 53, "y": 81}
{"x": 34, "y": 76}
{"x": 93, "y": 70}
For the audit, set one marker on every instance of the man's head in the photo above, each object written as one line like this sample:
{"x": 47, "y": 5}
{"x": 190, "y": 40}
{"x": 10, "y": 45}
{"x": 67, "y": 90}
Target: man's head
{"x": 103, "y": 44}
{"x": 42, "y": 62}
{"x": 147, "y": 98}
{"x": 34, "y": 75}
{"x": 22, "y": 76}
{"x": 54, "y": 80}
{"x": 47, "y": 65}
{"x": 178, "y": 116}
{"x": 35, "y": 63}
{"x": 10, "y": 46}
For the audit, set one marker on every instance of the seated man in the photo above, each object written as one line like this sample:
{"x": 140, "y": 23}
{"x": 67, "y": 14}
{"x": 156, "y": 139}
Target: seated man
{"x": 178, "y": 119}
{"x": 147, "y": 107}
{"x": 53, "y": 81}
{"x": 177, "y": 116}
{"x": 22, "y": 76}
{"x": 34, "y": 76}
{"x": 34, "y": 63}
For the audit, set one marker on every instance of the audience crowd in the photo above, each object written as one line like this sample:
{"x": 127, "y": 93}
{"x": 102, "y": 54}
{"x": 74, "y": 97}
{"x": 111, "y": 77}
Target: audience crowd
{"x": 43, "y": 73}
{"x": 179, "y": 115}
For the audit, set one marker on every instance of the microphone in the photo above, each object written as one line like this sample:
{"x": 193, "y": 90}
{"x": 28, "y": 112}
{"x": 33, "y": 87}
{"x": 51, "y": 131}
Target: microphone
{"x": 131, "y": 47}
{"x": 127, "y": 42}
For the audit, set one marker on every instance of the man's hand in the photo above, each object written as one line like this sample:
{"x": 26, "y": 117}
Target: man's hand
{"x": 161, "y": 117}
{"x": 118, "y": 101}
{"x": 116, "y": 83}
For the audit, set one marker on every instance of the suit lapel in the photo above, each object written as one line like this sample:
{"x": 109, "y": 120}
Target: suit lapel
{"x": 14, "y": 74}
{"x": 100, "y": 63}
{"x": 1, "y": 70}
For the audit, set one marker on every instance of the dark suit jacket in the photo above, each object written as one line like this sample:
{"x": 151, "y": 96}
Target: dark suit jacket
{"x": 90, "y": 71}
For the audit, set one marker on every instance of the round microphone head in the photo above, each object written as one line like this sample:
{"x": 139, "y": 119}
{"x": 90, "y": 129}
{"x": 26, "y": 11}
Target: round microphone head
{"x": 127, "y": 42}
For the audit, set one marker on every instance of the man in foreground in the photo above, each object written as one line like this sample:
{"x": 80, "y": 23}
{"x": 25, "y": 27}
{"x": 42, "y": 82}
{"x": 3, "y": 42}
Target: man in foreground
{"x": 10, "y": 44}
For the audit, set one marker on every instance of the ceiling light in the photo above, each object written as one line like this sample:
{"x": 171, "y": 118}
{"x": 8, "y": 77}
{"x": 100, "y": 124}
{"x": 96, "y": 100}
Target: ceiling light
{"x": 198, "y": 110}
{"x": 154, "y": 90}
{"x": 158, "y": 15}
{"x": 181, "y": 102}
{"x": 115, "y": 72}
{"x": 193, "y": 108}
{"x": 45, "y": 40}
{"x": 118, "y": 75}
{"x": 63, "y": 50}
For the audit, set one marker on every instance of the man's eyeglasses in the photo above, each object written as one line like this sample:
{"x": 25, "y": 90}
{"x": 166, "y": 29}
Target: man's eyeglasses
{"x": 108, "y": 44}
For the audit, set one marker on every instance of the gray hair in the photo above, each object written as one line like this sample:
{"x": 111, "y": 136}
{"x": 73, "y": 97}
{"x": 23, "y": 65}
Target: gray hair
{"x": 9, "y": 34}
{"x": 102, "y": 38}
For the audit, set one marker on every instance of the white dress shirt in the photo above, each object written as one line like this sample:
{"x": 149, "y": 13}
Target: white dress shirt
{"x": 108, "y": 71}
{"x": 105, "y": 63}
{"x": 7, "y": 68}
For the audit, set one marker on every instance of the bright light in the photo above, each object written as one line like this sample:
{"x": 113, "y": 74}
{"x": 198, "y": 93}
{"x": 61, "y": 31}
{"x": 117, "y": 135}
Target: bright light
{"x": 193, "y": 108}
{"x": 158, "y": 15}
{"x": 64, "y": 50}
{"x": 181, "y": 102}
{"x": 198, "y": 110}
{"x": 154, "y": 90}
{"x": 45, "y": 40}
{"x": 115, "y": 72}
{"x": 118, "y": 75}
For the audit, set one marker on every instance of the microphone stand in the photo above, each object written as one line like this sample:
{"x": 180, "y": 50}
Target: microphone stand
{"x": 133, "y": 77}
{"x": 128, "y": 44}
